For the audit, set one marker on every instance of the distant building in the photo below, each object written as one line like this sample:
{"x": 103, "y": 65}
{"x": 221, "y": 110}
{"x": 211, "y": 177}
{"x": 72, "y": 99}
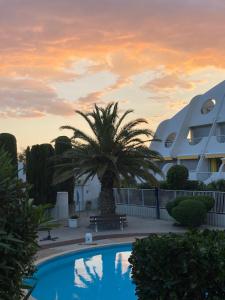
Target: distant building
{"x": 195, "y": 137}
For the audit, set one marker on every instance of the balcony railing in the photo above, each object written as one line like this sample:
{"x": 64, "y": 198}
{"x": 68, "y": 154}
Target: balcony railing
{"x": 221, "y": 138}
{"x": 195, "y": 141}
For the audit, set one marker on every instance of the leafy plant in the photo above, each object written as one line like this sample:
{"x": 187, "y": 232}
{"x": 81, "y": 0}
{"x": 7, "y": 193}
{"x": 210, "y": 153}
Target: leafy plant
{"x": 8, "y": 143}
{"x": 114, "y": 152}
{"x": 63, "y": 144}
{"x": 39, "y": 172}
{"x": 190, "y": 213}
{"x": 175, "y": 267}
{"x": 19, "y": 224}
{"x": 190, "y": 210}
{"x": 177, "y": 177}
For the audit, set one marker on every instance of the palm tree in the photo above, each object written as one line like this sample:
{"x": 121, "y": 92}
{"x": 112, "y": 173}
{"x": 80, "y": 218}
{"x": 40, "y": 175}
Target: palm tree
{"x": 113, "y": 152}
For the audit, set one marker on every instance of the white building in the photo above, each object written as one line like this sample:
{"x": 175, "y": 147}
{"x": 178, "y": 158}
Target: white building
{"x": 195, "y": 137}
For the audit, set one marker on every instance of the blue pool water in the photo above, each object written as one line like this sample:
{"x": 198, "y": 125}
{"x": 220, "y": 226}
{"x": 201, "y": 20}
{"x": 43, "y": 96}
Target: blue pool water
{"x": 97, "y": 274}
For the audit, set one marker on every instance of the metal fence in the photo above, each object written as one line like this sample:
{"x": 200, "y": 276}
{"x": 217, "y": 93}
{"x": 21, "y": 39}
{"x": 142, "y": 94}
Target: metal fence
{"x": 152, "y": 203}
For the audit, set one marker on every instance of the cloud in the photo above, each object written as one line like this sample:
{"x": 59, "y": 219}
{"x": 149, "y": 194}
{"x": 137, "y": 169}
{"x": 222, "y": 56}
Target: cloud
{"x": 124, "y": 36}
{"x": 168, "y": 82}
{"x": 86, "y": 103}
{"x": 41, "y": 41}
{"x": 26, "y": 98}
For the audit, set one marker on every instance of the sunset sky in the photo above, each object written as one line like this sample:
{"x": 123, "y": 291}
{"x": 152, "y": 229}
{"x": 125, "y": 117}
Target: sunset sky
{"x": 57, "y": 56}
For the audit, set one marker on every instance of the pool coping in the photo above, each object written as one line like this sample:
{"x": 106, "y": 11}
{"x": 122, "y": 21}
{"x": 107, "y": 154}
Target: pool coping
{"x": 83, "y": 247}
{"x": 104, "y": 237}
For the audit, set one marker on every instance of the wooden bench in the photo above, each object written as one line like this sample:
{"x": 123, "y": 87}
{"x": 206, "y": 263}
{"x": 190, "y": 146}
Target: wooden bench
{"x": 108, "y": 222}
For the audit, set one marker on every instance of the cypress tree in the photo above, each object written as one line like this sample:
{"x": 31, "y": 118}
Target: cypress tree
{"x": 62, "y": 144}
{"x": 9, "y": 144}
{"x": 39, "y": 172}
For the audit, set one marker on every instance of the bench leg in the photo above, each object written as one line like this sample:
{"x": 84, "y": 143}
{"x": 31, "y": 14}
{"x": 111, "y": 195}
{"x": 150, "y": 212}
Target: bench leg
{"x": 121, "y": 226}
{"x": 96, "y": 227}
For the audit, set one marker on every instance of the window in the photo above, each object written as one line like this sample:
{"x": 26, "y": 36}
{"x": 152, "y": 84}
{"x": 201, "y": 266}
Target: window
{"x": 208, "y": 106}
{"x": 170, "y": 139}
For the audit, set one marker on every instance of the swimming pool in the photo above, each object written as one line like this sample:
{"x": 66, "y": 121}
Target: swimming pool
{"x": 95, "y": 274}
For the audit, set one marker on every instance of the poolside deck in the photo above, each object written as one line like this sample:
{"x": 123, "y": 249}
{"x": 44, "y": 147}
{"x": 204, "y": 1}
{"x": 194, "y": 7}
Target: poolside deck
{"x": 73, "y": 238}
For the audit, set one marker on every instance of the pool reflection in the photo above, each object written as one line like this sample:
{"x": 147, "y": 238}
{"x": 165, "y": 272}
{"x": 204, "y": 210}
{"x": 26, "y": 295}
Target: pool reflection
{"x": 99, "y": 275}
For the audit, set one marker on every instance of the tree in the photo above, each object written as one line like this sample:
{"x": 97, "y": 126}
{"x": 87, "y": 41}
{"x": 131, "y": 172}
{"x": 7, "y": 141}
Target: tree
{"x": 19, "y": 222}
{"x": 114, "y": 152}
{"x": 39, "y": 172}
{"x": 62, "y": 144}
{"x": 8, "y": 143}
{"x": 177, "y": 177}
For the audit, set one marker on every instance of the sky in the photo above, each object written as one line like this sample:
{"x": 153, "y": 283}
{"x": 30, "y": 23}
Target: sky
{"x": 57, "y": 56}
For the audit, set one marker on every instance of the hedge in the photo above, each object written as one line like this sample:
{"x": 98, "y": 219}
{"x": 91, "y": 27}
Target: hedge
{"x": 63, "y": 144}
{"x": 190, "y": 266}
{"x": 39, "y": 172}
{"x": 177, "y": 177}
{"x": 190, "y": 211}
{"x": 9, "y": 144}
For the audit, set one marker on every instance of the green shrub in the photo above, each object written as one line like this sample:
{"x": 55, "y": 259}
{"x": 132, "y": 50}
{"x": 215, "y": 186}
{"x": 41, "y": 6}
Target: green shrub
{"x": 164, "y": 185}
{"x": 194, "y": 185}
{"x": 180, "y": 267}
{"x": 8, "y": 143}
{"x": 63, "y": 144}
{"x": 177, "y": 177}
{"x": 19, "y": 223}
{"x": 39, "y": 172}
{"x": 172, "y": 204}
{"x": 190, "y": 212}
{"x": 208, "y": 201}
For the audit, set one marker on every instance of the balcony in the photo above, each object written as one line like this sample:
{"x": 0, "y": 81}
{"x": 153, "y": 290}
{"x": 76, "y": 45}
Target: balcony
{"x": 195, "y": 141}
{"x": 221, "y": 138}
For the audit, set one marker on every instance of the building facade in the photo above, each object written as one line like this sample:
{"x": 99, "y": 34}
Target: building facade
{"x": 195, "y": 137}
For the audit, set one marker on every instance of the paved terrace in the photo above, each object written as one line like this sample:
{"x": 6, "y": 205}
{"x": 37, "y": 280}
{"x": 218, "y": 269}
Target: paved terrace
{"x": 73, "y": 238}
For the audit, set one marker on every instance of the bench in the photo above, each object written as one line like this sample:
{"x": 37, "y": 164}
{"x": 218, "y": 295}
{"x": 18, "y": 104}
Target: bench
{"x": 108, "y": 222}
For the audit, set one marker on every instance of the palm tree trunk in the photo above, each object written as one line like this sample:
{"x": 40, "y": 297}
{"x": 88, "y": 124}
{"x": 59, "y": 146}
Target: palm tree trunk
{"x": 107, "y": 200}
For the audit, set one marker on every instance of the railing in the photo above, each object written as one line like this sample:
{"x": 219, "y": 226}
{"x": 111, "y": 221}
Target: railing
{"x": 195, "y": 141}
{"x": 221, "y": 138}
{"x": 202, "y": 176}
{"x": 147, "y": 199}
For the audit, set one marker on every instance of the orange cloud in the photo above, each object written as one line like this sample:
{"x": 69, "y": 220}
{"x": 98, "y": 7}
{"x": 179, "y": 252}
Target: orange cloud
{"x": 26, "y": 98}
{"x": 169, "y": 81}
{"x": 40, "y": 42}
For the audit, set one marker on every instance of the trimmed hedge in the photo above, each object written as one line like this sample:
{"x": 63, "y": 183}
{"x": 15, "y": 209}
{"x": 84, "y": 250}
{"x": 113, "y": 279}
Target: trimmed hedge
{"x": 9, "y": 144}
{"x": 180, "y": 267}
{"x": 39, "y": 172}
{"x": 190, "y": 211}
{"x": 63, "y": 144}
{"x": 177, "y": 177}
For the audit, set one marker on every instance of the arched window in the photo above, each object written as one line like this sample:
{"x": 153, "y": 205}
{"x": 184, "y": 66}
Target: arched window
{"x": 170, "y": 139}
{"x": 208, "y": 106}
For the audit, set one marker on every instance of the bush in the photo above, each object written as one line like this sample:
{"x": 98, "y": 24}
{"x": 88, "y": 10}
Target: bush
{"x": 218, "y": 185}
{"x": 39, "y": 172}
{"x": 63, "y": 144}
{"x": 8, "y": 143}
{"x": 171, "y": 205}
{"x": 175, "y": 267}
{"x": 19, "y": 223}
{"x": 190, "y": 212}
{"x": 177, "y": 177}
{"x": 208, "y": 201}
{"x": 163, "y": 185}
{"x": 194, "y": 185}
{"x": 185, "y": 210}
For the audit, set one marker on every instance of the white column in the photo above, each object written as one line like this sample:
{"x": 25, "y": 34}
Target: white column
{"x": 62, "y": 205}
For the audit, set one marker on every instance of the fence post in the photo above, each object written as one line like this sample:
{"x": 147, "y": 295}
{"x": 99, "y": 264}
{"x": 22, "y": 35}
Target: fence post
{"x": 128, "y": 196}
{"x": 157, "y": 203}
